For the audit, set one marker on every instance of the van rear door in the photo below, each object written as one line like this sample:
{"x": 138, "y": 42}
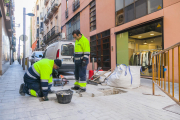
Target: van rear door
{"x": 66, "y": 52}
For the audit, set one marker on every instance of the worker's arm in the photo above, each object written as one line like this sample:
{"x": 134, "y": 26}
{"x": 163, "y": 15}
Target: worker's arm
{"x": 45, "y": 76}
{"x": 86, "y": 49}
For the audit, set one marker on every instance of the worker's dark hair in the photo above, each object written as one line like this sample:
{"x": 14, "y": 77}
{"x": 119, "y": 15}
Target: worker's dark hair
{"x": 77, "y": 32}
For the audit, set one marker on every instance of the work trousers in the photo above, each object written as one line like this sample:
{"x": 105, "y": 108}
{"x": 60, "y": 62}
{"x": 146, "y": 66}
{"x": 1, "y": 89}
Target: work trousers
{"x": 80, "y": 75}
{"x": 34, "y": 88}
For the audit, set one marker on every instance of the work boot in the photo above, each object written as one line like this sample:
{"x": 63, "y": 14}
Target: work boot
{"x": 51, "y": 91}
{"x": 75, "y": 88}
{"x": 81, "y": 90}
{"x": 21, "y": 89}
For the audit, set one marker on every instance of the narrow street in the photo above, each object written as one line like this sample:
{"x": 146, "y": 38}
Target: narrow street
{"x": 132, "y": 105}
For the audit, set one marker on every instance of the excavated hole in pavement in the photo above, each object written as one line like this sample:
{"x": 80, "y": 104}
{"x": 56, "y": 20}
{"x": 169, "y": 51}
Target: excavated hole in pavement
{"x": 111, "y": 91}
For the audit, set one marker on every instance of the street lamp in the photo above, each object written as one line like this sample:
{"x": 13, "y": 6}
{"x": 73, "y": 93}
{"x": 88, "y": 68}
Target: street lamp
{"x": 24, "y": 33}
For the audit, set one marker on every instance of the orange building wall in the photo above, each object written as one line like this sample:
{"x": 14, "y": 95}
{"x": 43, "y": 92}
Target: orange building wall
{"x": 105, "y": 19}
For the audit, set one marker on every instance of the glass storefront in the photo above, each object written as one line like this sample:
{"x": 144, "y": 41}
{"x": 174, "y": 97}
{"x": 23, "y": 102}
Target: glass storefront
{"x": 136, "y": 46}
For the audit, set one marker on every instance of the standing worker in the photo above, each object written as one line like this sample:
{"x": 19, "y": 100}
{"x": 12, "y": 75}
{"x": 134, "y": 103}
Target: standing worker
{"x": 81, "y": 59}
{"x": 38, "y": 79}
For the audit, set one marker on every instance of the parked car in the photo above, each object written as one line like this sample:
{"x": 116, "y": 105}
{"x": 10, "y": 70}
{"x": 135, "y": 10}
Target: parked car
{"x": 63, "y": 50}
{"x": 36, "y": 56}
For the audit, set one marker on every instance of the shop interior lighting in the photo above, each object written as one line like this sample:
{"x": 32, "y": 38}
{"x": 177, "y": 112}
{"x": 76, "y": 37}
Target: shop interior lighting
{"x": 152, "y": 34}
{"x": 145, "y": 43}
{"x": 139, "y": 36}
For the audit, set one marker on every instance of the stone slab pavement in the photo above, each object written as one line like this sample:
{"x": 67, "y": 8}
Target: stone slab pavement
{"x": 132, "y": 105}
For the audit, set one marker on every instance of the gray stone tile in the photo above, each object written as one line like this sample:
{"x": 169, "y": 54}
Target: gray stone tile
{"x": 22, "y": 115}
{"x": 7, "y": 111}
{"x": 7, "y": 117}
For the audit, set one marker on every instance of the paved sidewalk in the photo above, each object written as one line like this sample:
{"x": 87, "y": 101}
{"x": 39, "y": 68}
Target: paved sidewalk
{"x": 132, "y": 105}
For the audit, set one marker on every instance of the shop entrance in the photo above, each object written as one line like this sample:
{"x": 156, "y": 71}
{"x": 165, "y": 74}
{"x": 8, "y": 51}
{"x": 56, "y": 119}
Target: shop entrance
{"x": 136, "y": 46}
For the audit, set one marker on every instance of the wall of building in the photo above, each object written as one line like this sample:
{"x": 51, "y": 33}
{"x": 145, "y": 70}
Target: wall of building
{"x": 4, "y": 47}
{"x": 171, "y": 28}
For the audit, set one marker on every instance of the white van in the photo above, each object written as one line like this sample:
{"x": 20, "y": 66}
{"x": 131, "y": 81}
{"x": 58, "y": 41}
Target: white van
{"x": 36, "y": 56}
{"x": 63, "y": 50}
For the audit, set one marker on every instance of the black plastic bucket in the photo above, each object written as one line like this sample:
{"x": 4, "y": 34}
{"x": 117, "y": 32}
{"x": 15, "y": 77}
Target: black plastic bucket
{"x": 64, "y": 96}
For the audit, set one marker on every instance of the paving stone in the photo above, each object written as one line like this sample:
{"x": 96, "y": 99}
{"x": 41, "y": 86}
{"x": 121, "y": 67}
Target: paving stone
{"x": 7, "y": 117}
{"x": 8, "y": 111}
{"x": 133, "y": 105}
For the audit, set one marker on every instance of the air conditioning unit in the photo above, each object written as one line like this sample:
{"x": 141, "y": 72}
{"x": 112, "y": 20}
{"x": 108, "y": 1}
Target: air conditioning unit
{"x": 63, "y": 35}
{"x": 120, "y": 19}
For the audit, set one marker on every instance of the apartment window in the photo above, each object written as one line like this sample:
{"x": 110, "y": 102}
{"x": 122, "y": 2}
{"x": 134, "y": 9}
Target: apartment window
{"x": 141, "y": 8}
{"x": 37, "y": 20}
{"x": 119, "y": 4}
{"x": 128, "y": 10}
{"x": 129, "y": 13}
{"x": 73, "y": 24}
{"x": 154, "y": 5}
{"x": 128, "y": 2}
{"x": 37, "y": 7}
{"x": 66, "y": 4}
{"x": 93, "y": 15}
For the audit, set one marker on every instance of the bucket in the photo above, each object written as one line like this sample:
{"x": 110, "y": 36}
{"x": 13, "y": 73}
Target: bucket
{"x": 64, "y": 96}
{"x": 91, "y": 73}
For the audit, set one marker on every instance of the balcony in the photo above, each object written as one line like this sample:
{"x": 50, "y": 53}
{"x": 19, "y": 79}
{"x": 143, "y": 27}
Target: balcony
{"x": 66, "y": 13}
{"x": 48, "y": 35}
{"x": 54, "y": 31}
{"x": 54, "y": 5}
{"x": 75, "y": 5}
{"x": 37, "y": 24}
{"x": 41, "y": 15}
{"x": 41, "y": 30}
{"x": 49, "y": 14}
{"x": 46, "y": 2}
{"x": 37, "y": 35}
{"x": 46, "y": 20}
{"x": 52, "y": 34}
{"x": 44, "y": 39}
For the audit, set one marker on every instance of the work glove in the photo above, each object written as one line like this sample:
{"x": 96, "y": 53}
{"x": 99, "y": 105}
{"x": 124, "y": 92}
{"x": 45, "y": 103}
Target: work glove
{"x": 83, "y": 63}
{"x": 45, "y": 98}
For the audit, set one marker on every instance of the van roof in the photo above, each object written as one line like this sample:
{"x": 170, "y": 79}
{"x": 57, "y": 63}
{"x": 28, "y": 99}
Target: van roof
{"x": 60, "y": 41}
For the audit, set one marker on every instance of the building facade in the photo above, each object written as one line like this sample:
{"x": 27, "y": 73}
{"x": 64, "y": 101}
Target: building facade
{"x": 46, "y": 25}
{"x": 124, "y": 31}
{"x": 7, "y": 34}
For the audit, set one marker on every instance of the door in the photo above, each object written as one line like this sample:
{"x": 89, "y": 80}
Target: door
{"x": 103, "y": 52}
{"x": 100, "y": 50}
{"x": 66, "y": 52}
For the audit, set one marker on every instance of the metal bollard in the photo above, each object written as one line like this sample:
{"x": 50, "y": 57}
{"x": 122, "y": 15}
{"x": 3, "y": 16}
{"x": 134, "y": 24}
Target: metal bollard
{"x": 27, "y": 62}
{"x": 93, "y": 64}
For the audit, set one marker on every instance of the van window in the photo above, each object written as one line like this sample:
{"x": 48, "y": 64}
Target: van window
{"x": 67, "y": 50}
{"x": 38, "y": 54}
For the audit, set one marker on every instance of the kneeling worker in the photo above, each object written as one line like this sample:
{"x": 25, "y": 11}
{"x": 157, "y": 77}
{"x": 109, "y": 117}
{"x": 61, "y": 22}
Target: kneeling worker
{"x": 38, "y": 79}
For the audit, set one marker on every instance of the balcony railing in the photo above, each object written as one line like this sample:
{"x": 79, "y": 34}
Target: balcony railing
{"x": 46, "y": 20}
{"x": 54, "y": 5}
{"x": 48, "y": 34}
{"x": 66, "y": 13}
{"x": 37, "y": 23}
{"x": 44, "y": 39}
{"x": 53, "y": 33}
{"x": 54, "y": 30}
{"x": 37, "y": 35}
{"x": 41, "y": 15}
{"x": 46, "y": 2}
{"x": 50, "y": 13}
{"x": 75, "y": 5}
{"x": 41, "y": 30}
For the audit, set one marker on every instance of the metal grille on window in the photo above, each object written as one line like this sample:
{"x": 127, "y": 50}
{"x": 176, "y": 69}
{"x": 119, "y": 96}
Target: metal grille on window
{"x": 93, "y": 15}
